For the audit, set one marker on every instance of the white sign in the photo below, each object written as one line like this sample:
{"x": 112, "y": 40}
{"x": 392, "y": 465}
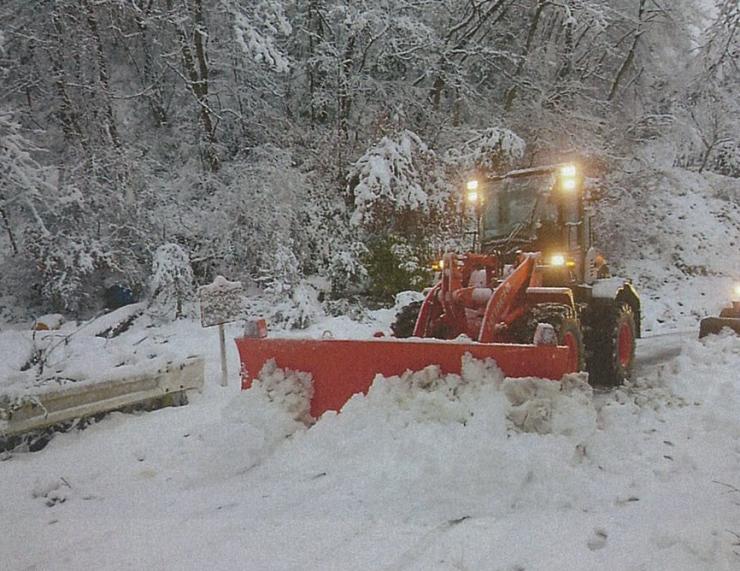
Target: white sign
{"x": 220, "y": 302}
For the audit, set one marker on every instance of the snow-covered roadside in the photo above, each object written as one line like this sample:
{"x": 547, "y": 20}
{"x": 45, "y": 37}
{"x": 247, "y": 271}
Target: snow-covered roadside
{"x": 419, "y": 478}
{"x": 676, "y": 233}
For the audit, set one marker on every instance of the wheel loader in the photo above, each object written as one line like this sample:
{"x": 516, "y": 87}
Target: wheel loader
{"x": 728, "y": 318}
{"x": 566, "y": 284}
{"x": 535, "y": 296}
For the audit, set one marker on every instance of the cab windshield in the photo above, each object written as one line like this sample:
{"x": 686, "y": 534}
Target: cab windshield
{"x": 513, "y": 205}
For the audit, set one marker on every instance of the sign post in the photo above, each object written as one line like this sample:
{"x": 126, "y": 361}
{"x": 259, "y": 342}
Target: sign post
{"x": 220, "y": 303}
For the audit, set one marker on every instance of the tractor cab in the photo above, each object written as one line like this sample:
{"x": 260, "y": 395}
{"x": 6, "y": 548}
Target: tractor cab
{"x": 539, "y": 209}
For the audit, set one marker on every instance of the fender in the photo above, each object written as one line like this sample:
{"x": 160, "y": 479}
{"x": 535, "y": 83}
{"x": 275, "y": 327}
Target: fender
{"x": 620, "y": 290}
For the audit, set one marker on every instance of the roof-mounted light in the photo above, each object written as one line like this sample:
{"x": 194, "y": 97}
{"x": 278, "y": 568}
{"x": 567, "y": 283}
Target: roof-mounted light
{"x": 568, "y": 171}
{"x": 472, "y": 195}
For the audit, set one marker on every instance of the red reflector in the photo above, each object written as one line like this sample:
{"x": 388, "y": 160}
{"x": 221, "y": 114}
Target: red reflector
{"x": 256, "y": 329}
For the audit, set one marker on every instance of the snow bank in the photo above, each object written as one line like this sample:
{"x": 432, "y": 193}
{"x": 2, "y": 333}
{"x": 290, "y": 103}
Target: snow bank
{"x": 448, "y": 446}
{"x": 254, "y": 423}
{"x": 16, "y": 349}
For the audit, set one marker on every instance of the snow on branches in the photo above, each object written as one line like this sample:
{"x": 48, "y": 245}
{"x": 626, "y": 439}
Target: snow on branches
{"x": 256, "y": 28}
{"x": 491, "y": 150}
{"x": 398, "y": 175}
{"x": 171, "y": 283}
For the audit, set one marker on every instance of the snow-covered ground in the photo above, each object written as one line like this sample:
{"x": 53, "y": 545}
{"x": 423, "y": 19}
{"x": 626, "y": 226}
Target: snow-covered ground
{"x": 431, "y": 472}
{"x": 413, "y": 476}
{"x": 676, "y": 233}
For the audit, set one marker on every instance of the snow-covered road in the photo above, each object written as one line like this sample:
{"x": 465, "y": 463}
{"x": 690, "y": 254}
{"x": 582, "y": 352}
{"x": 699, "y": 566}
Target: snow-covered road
{"x": 642, "y": 477}
{"x": 660, "y": 347}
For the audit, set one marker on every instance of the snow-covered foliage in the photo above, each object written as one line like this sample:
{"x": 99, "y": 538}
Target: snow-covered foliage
{"x": 66, "y": 265}
{"x": 296, "y": 308}
{"x": 397, "y": 176}
{"x": 404, "y": 204}
{"x": 489, "y": 150}
{"x": 256, "y": 26}
{"x": 171, "y": 283}
{"x": 24, "y": 179}
{"x": 248, "y": 129}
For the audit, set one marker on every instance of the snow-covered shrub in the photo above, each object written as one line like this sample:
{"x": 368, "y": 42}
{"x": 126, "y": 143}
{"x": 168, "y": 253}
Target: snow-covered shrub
{"x": 281, "y": 271}
{"x": 70, "y": 266}
{"x": 395, "y": 265}
{"x": 345, "y": 268}
{"x": 401, "y": 203}
{"x": 294, "y": 309}
{"x": 397, "y": 185}
{"x": 726, "y": 159}
{"x": 304, "y": 307}
{"x": 171, "y": 284}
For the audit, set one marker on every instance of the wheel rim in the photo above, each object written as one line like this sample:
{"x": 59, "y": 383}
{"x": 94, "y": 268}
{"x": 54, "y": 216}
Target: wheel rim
{"x": 570, "y": 341}
{"x": 625, "y": 344}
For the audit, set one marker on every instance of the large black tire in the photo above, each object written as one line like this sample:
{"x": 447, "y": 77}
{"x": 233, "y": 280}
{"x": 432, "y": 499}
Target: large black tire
{"x": 610, "y": 335}
{"x": 561, "y": 317}
{"x": 405, "y": 321}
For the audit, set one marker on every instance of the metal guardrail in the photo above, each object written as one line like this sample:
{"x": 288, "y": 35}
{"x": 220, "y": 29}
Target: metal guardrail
{"x": 67, "y": 402}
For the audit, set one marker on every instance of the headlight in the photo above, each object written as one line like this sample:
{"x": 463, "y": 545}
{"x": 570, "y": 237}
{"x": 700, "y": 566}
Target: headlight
{"x": 569, "y": 183}
{"x": 472, "y": 184}
{"x": 557, "y": 260}
{"x": 736, "y": 291}
{"x": 568, "y": 171}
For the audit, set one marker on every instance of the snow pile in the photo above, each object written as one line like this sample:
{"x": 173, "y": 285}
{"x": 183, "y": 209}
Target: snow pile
{"x": 255, "y": 422}
{"x": 291, "y": 391}
{"x": 699, "y": 377}
{"x": 524, "y": 405}
{"x": 435, "y": 447}
{"x": 16, "y": 350}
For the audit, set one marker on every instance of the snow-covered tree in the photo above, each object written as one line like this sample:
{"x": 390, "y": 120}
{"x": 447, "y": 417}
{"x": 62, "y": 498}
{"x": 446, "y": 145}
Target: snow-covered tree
{"x": 171, "y": 284}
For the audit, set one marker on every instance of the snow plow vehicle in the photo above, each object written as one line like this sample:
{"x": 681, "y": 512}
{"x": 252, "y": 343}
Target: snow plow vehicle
{"x": 728, "y": 318}
{"x": 535, "y": 296}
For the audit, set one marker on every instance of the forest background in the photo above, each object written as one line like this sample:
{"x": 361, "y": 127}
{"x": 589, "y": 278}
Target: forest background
{"x": 320, "y": 147}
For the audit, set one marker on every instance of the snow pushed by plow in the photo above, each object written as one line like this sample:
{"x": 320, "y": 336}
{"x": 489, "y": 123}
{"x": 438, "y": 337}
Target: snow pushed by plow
{"x": 427, "y": 471}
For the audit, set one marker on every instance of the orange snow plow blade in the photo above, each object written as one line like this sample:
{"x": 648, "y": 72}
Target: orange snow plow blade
{"x": 343, "y": 368}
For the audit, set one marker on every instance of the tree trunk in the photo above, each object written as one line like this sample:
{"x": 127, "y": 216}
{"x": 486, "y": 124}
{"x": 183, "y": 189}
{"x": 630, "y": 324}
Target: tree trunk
{"x": 9, "y": 230}
{"x": 68, "y": 117}
{"x": 103, "y": 75}
{"x": 533, "y": 23}
{"x": 156, "y": 99}
{"x": 630, "y": 55}
{"x": 196, "y": 68}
